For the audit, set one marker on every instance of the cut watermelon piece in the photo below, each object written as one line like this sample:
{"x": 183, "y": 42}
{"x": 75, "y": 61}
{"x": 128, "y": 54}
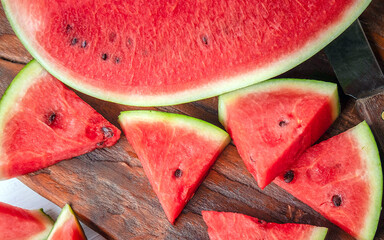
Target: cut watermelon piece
{"x": 176, "y": 152}
{"x": 44, "y": 122}
{"x": 22, "y": 224}
{"x": 341, "y": 178}
{"x": 274, "y": 121}
{"x": 227, "y": 225}
{"x": 67, "y": 227}
{"x": 167, "y": 52}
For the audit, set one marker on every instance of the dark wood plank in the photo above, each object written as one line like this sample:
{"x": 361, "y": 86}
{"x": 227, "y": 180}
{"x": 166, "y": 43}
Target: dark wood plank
{"x": 108, "y": 188}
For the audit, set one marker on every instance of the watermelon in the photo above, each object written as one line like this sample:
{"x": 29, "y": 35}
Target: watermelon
{"x": 167, "y": 52}
{"x": 44, "y": 122}
{"x": 67, "y": 227}
{"x": 176, "y": 152}
{"x": 274, "y": 121}
{"x": 22, "y": 224}
{"x": 228, "y": 225}
{"x": 342, "y": 179}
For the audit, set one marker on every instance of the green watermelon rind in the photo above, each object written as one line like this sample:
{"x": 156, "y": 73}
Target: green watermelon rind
{"x": 65, "y": 214}
{"x": 319, "y": 233}
{"x": 209, "y": 90}
{"x": 44, "y": 219}
{"x": 370, "y": 153}
{"x": 14, "y": 93}
{"x": 204, "y": 128}
{"x": 324, "y": 88}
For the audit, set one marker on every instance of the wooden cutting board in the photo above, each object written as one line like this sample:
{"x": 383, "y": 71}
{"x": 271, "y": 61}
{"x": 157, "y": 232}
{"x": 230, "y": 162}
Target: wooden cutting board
{"x": 109, "y": 191}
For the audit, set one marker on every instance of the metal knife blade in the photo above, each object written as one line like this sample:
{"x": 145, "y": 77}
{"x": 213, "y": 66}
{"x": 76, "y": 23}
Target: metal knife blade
{"x": 354, "y": 63}
{"x": 360, "y": 76}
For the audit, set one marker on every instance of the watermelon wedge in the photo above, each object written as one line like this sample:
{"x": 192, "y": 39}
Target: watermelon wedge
{"x": 22, "y": 224}
{"x": 342, "y": 179}
{"x": 274, "y": 121}
{"x": 227, "y": 225}
{"x": 44, "y": 122}
{"x": 167, "y": 52}
{"x": 67, "y": 227}
{"x": 176, "y": 152}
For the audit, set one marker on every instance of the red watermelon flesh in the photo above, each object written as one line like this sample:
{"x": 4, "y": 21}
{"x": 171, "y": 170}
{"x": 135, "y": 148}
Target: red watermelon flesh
{"x": 227, "y": 225}
{"x": 341, "y": 178}
{"x": 166, "y": 52}
{"x": 67, "y": 227}
{"x": 44, "y": 122}
{"x": 176, "y": 152}
{"x": 22, "y": 224}
{"x": 274, "y": 121}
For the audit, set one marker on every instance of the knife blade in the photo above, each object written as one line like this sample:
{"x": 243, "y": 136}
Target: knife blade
{"x": 360, "y": 76}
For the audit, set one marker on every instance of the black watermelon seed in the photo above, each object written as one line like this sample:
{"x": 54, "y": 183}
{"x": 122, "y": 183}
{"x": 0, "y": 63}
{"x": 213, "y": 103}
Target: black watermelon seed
{"x": 336, "y": 199}
{"x": 288, "y": 176}
{"x": 68, "y": 28}
{"x": 74, "y": 41}
{"x": 283, "y": 123}
{"x": 178, "y": 173}
{"x": 117, "y": 60}
{"x": 104, "y": 56}
{"x": 108, "y": 133}
{"x": 260, "y": 221}
{"x": 83, "y": 44}
{"x": 204, "y": 39}
{"x": 51, "y": 118}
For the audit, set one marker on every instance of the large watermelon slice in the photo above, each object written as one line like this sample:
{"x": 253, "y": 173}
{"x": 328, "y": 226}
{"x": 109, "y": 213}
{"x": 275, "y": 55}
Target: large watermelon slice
{"x": 341, "y": 178}
{"x": 274, "y": 121}
{"x": 176, "y": 152}
{"x": 67, "y": 227}
{"x": 227, "y": 225}
{"x": 43, "y": 122}
{"x": 22, "y": 224}
{"x": 166, "y": 52}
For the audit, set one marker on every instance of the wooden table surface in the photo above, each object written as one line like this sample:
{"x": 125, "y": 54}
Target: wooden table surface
{"x": 110, "y": 192}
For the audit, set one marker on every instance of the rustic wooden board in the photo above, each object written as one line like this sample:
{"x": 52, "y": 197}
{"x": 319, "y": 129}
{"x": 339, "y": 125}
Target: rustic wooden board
{"x": 108, "y": 188}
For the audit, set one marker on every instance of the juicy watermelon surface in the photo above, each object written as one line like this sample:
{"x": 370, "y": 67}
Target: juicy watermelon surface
{"x": 44, "y": 122}
{"x": 67, "y": 227}
{"x": 166, "y": 52}
{"x": 341, "y": 178}
{"x": 274, "y": 121}
{"x": 176, "y": 152}
{"x": 227, "y": 225}
{"x": 22, "y": 224}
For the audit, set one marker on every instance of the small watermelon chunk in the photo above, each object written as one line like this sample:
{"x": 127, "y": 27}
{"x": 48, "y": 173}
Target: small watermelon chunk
{"x": 228, "y": 225}
{"x": 274, "y": 121}
{"x": 22, "y": 224}
{"x": 67, "y": 227}
{"x": 176, "y": 152}
{"x": 341, "y": 178}
{"x": 44, "y": 122}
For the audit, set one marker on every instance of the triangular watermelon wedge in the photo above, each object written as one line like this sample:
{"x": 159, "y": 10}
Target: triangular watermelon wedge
{"x": 43, "y": 122}
{"x": 342, "y": 179}
{"x": 274, "y": 121}
{"x": 22, "y": 224}
{"x": 176, "y": 152}
{"x": 228, "y": 225}
{"x": 67, "y": 227}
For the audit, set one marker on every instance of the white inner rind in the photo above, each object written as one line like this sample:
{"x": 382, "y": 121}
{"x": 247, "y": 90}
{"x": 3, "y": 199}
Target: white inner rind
{"x": 200, "y": 127}
{"x": 311, "y": 86}
{"x": 18, "y": 19}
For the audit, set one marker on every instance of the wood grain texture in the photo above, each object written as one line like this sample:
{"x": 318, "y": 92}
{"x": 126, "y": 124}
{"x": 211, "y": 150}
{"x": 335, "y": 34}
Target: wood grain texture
{"x": 108, "y": 188}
